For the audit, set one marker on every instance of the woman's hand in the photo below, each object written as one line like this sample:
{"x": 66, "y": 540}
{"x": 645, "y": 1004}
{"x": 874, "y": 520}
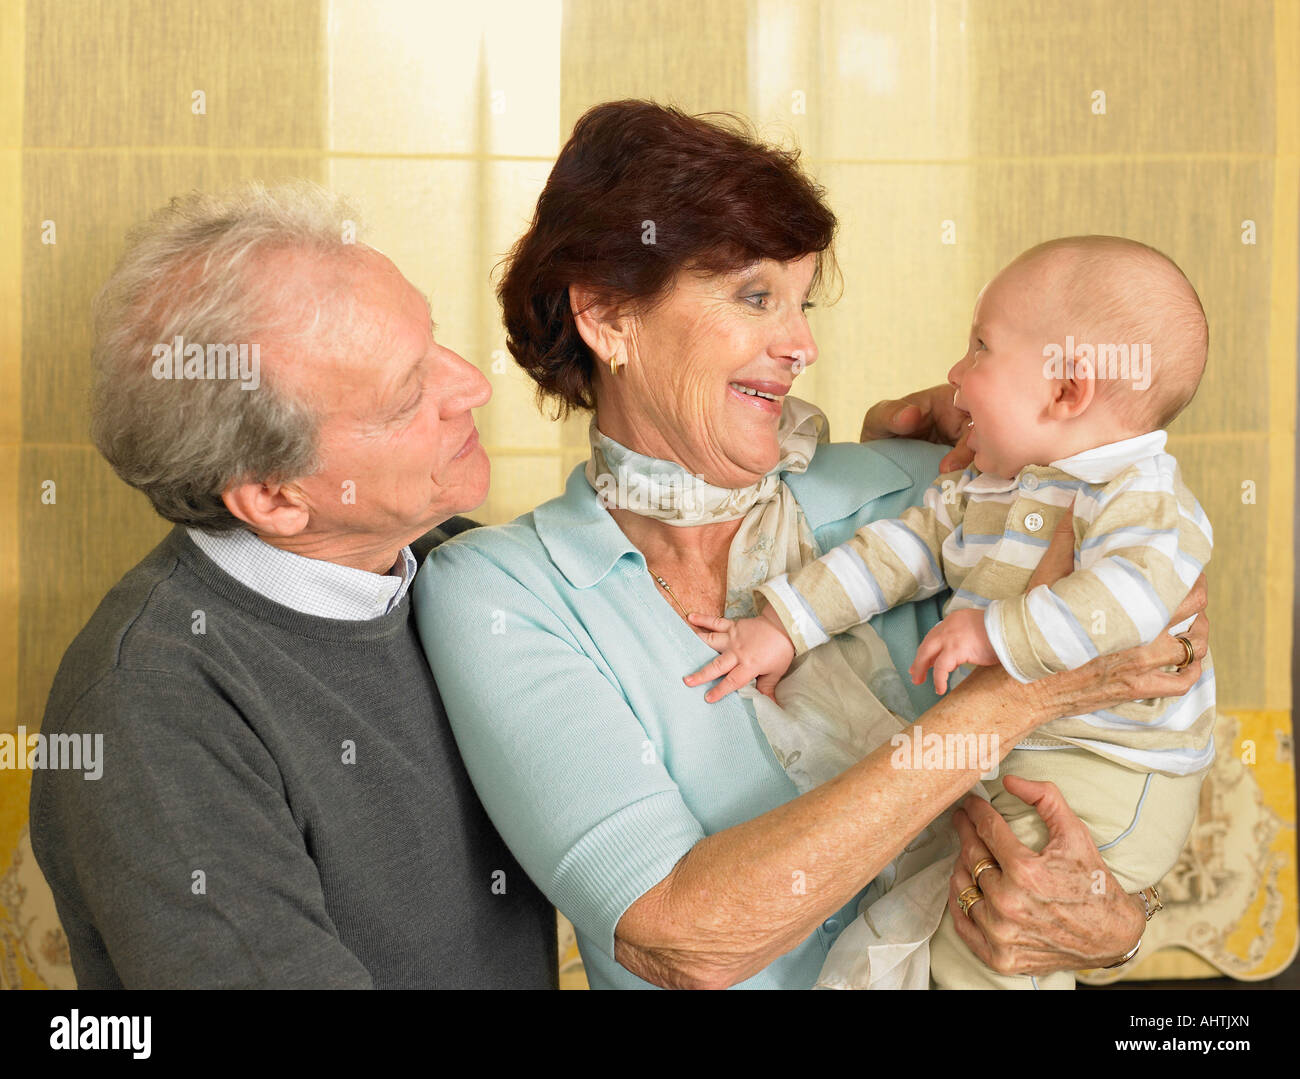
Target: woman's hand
{"x": 1136, "y": 674}
{"x": 929, "y": 415}
{"x": 1055, "y": 909}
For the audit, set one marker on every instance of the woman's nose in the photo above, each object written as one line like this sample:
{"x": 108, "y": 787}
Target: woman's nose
{"x": 802, "y": 358}
{"x": 801, "y": 348}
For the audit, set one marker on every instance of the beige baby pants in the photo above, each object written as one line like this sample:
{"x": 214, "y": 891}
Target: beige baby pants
{"x": 1139, "y": 821}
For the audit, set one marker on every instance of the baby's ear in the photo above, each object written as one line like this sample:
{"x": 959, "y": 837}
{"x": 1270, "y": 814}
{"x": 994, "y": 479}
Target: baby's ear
{"x": 1073, "y": 394}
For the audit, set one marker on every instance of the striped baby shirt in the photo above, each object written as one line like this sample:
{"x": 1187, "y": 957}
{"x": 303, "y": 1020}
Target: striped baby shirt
{"x": 1141, "y": 540}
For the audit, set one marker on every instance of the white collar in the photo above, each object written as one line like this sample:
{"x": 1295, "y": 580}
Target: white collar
{"x": 1101, "y": 464}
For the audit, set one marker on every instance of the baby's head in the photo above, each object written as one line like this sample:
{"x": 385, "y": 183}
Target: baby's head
{"x": 1078, "y": 342}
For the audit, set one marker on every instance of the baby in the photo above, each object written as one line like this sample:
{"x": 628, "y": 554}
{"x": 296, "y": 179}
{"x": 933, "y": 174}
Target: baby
{"x": 1081, "y": 351}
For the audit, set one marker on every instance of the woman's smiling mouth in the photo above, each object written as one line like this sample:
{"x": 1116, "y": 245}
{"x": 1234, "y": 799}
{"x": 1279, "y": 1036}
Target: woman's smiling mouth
{"x": 766, "y": 396}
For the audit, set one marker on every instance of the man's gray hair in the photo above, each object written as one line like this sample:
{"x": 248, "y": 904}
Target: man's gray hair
{"x": 192, "y": 272}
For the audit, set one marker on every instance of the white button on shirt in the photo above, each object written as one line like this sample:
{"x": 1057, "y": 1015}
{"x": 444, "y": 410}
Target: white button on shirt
{"x": 307, "y": 585}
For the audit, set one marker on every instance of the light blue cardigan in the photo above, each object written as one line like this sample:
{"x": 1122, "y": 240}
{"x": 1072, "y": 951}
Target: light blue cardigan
{"x": 560, "y": 664}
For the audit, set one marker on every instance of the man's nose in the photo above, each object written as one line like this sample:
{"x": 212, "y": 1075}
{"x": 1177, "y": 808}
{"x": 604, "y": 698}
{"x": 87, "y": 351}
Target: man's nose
{"x": 470, "y": 387}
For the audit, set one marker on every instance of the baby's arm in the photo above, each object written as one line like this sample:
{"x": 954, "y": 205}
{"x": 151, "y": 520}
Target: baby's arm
{"x": 1141, "y": 553}
{"x": 884, "y": 564}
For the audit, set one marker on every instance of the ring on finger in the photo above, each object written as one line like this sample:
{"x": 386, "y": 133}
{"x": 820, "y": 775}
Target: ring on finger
{"x": 980, "y": 867}
{"x": 968, "y": 897}
{"x": 1190, "y": 653}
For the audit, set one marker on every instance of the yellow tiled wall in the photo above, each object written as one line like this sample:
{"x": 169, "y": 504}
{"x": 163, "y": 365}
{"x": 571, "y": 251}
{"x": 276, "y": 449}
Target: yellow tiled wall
{"x": 442, "y": 119}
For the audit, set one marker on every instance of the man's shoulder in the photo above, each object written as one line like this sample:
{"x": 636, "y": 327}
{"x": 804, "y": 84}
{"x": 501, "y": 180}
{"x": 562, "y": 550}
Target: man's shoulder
{"x": 145, "y": 603}
{"x": 440, "y": 534}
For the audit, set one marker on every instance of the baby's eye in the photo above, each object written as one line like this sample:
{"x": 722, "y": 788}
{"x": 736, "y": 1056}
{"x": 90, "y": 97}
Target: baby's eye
{"x": 980, "y": 346}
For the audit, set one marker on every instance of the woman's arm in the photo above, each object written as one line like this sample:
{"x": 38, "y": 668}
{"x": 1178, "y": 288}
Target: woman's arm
{"x": 731, "y": 906}
{"x": 728, "y": 908}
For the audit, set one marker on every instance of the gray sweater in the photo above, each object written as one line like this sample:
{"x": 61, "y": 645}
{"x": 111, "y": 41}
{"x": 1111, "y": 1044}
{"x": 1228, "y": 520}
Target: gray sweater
{"x": 281, "y": 802}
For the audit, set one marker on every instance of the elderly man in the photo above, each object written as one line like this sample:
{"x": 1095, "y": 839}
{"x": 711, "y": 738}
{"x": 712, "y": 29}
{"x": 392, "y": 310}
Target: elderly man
{"x": 282, "y": 802}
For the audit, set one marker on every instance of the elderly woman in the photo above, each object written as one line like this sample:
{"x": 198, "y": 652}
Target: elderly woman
{"x": 663, "y": 287}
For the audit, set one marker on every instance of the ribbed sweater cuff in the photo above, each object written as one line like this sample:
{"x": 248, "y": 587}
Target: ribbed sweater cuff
{"x": 621, "y": 859}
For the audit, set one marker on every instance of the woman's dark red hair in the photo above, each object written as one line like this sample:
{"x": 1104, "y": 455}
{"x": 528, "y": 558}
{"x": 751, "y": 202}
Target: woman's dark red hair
{"x": 717, "y": 197}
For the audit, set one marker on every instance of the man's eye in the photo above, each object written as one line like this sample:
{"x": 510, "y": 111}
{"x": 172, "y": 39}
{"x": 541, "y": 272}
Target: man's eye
{"x": 758, "y": 299}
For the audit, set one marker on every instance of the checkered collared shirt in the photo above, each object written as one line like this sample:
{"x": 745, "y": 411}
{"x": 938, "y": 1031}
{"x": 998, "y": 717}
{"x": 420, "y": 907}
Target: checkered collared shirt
{"x": 307, "y": 585}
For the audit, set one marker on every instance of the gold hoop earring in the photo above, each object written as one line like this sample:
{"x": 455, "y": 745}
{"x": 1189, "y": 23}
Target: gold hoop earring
{"x": 615, "y": 363}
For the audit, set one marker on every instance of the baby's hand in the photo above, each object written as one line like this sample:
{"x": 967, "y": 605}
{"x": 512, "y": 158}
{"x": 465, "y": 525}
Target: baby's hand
{"x": 751, "y": 648}
{"x": 959, "y": 638}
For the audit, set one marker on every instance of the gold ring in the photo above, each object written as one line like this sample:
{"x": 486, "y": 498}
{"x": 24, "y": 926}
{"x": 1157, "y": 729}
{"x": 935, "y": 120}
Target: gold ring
{"x": 1191, "y": 654}
{"x": 980, "y": 867}
{"x": 968, "y": 898}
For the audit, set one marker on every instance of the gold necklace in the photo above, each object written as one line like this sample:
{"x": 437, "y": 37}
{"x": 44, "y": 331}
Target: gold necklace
{"x": 664, "y": 585}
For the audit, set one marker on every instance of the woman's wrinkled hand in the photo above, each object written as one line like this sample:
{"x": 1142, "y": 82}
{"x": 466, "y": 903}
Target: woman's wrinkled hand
{"x": 1142, "y": 673}
{"x": 929, "y": 415}
{"x": 1043, "y": 911}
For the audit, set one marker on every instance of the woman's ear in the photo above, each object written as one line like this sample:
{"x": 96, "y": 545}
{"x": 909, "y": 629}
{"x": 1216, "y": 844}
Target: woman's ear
{"x": 600, "y": 324}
